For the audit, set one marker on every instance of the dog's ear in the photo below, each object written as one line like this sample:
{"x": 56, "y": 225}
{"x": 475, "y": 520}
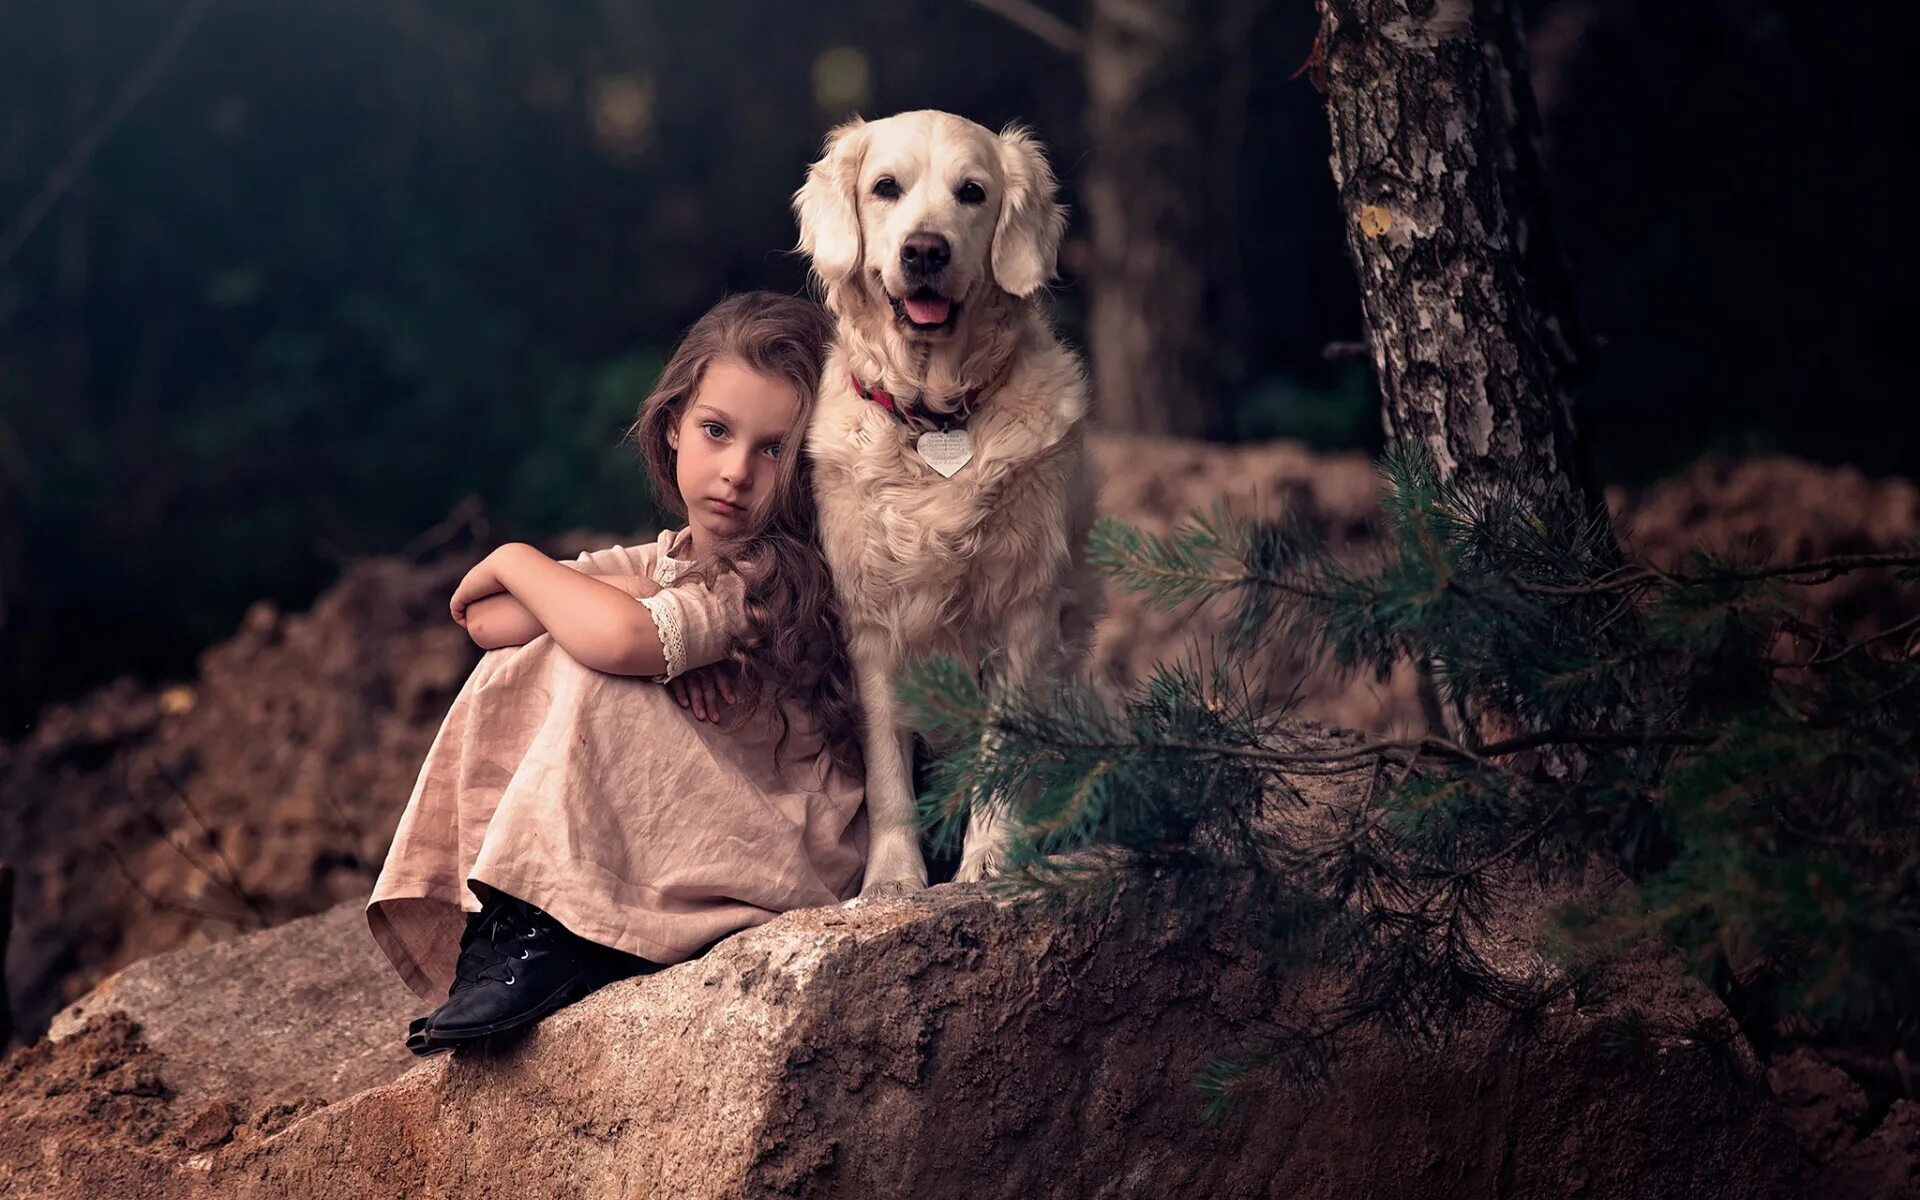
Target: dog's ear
{"x": 1026, "y": 240}
{"x": 829, "y": 222}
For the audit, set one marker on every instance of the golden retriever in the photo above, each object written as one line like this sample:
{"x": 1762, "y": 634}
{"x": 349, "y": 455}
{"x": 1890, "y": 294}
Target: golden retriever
{"x": 948, "y": 447}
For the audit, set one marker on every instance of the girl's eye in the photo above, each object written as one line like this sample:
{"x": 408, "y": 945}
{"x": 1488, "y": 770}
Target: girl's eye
{"x": 773, "y": 451}
{"x": 885, "y": 188}
{"x": 714, "y": 429}
{"x": 971, "y": 193}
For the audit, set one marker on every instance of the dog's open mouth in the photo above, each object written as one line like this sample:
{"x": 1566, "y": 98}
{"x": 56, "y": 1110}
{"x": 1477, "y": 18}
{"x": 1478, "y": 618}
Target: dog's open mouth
{"x": 925, "y": 311}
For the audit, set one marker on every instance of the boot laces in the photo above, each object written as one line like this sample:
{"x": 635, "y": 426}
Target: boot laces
{"x": 498, "y": 941}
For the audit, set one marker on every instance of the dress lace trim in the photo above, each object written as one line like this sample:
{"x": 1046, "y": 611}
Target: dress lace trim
{"x": 665, "y": 611}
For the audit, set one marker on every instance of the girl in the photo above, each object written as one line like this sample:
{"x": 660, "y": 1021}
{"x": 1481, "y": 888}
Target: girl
{"x": 589, "y": 827}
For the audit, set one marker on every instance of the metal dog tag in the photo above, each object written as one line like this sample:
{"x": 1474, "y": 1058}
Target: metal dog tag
{"x": 945, "y": 450}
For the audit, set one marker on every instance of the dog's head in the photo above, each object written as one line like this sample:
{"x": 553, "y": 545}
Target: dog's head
{"x": 924, "y": 211}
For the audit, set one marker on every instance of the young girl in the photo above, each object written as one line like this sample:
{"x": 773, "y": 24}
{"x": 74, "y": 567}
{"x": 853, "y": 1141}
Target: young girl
{"x": 589, "y": 822}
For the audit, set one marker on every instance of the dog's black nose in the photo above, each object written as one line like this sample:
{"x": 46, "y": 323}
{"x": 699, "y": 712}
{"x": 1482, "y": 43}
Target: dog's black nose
{"x": 924, "y": 253}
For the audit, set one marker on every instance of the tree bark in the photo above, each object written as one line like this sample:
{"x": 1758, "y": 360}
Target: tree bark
{"x": 1167, "y": 84}
{"x": 1469, "y": 314}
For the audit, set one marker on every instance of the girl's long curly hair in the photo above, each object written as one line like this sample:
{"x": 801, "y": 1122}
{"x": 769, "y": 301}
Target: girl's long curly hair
{"x": 794, "y": 649}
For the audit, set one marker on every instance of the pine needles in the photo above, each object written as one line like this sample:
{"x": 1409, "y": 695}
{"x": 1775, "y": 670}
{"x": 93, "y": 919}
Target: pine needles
{"x": 1755, "y": 779}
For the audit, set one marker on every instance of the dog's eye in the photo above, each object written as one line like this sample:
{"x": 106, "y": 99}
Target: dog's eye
{"x": 971, "y": 193}
{"x": 885, "y": 188}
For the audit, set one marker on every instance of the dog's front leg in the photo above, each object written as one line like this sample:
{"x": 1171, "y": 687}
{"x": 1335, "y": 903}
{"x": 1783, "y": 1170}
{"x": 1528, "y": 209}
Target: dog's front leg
{"x": 894, "y": 861}
{"x": 1030, "y": 653}
{"x": 984, "y": 850}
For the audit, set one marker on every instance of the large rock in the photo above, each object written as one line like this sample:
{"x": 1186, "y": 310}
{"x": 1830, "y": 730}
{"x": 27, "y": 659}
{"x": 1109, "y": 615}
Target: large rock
{"x": 960, "y": 1044}
{"x": 198, "y": 1049}
{"x": 306, "y": 1011}
{"x": 950, "y": 1044}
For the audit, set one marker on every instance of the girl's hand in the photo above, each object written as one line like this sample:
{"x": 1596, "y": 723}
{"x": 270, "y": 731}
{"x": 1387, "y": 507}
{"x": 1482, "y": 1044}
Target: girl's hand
{"x": 482, "y": 581}
{"x": 702, "y": 689}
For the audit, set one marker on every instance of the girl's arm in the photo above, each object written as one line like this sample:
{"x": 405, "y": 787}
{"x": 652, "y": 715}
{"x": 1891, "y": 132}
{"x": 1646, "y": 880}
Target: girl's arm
{"x": 502, "y": 620}
{"x": 594, "y": 621}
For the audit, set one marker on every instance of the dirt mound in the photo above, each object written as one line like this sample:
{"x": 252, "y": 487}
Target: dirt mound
{"x": 1883, "y": 1166}
{"x": 141, "y": 819}
{"x": 89, "y": 1114}
{"x": 1157, "y": 484}
{"x": 93, "y": 1115}
{"x": 1790, "y": 510}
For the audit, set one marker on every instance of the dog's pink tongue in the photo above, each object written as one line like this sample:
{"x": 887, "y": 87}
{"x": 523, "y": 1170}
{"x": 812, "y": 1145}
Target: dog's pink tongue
{"x": 931, "y": 311}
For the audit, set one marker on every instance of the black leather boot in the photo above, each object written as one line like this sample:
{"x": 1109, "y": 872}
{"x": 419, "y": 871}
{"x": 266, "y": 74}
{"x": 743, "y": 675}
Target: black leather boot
{"x": 518, "y": 965}
{"x": 476, "y": 953}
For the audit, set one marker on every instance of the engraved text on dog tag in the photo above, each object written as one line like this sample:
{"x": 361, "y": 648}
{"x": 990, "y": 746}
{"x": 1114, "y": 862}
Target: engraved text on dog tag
{"x": 945, "y": 450}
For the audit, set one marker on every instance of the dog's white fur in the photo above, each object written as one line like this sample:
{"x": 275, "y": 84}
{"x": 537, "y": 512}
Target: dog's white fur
{"x": 989, "y": 565}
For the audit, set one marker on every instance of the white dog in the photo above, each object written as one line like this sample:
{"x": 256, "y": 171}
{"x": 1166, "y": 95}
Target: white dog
{"x": 949, "y": 442}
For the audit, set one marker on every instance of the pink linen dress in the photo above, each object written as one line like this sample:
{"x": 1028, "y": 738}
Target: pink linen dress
{"x": 599, "y": 799}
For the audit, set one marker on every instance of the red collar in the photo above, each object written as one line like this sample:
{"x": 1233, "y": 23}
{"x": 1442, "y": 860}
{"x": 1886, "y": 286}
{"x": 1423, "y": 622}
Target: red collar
{"x": 875, "y": 395}
{"x": 885, "y": 400}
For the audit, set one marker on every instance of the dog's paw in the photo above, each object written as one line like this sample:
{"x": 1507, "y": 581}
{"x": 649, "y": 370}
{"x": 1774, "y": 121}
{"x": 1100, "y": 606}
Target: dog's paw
{"x": 985, "y": 853}
{"x": 976, "y": 867}
{"x": 895, "y": 867}
{"x": 884, "y": 889}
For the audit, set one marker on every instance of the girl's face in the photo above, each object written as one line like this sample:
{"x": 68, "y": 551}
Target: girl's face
{"x": 729, "y": 443}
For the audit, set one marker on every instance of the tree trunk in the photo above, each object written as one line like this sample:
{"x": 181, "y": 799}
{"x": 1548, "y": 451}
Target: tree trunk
{"x": 1469, "y": 314}
{"x": 1167, "y": 88}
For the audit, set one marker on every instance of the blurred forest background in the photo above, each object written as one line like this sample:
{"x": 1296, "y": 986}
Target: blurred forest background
{"x": 283, "y": 283}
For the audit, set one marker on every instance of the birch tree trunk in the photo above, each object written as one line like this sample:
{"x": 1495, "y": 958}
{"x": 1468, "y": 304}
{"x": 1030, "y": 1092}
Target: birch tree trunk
{"x": 1469, "y": 314}
{"x": 1167, "y": 84}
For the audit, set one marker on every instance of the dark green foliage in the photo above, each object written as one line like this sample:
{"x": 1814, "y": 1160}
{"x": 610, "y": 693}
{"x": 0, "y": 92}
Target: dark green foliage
{"x": 1342, "y": 414}
{"x": 1752, "y": 779}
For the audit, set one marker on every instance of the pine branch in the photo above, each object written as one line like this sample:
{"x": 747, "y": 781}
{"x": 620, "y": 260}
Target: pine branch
{"x": 1818, "y": 571}
{"x": 1911, "y": 623}
{"x": 1761, "y": 818}
{"x": 1401, "y": 750}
